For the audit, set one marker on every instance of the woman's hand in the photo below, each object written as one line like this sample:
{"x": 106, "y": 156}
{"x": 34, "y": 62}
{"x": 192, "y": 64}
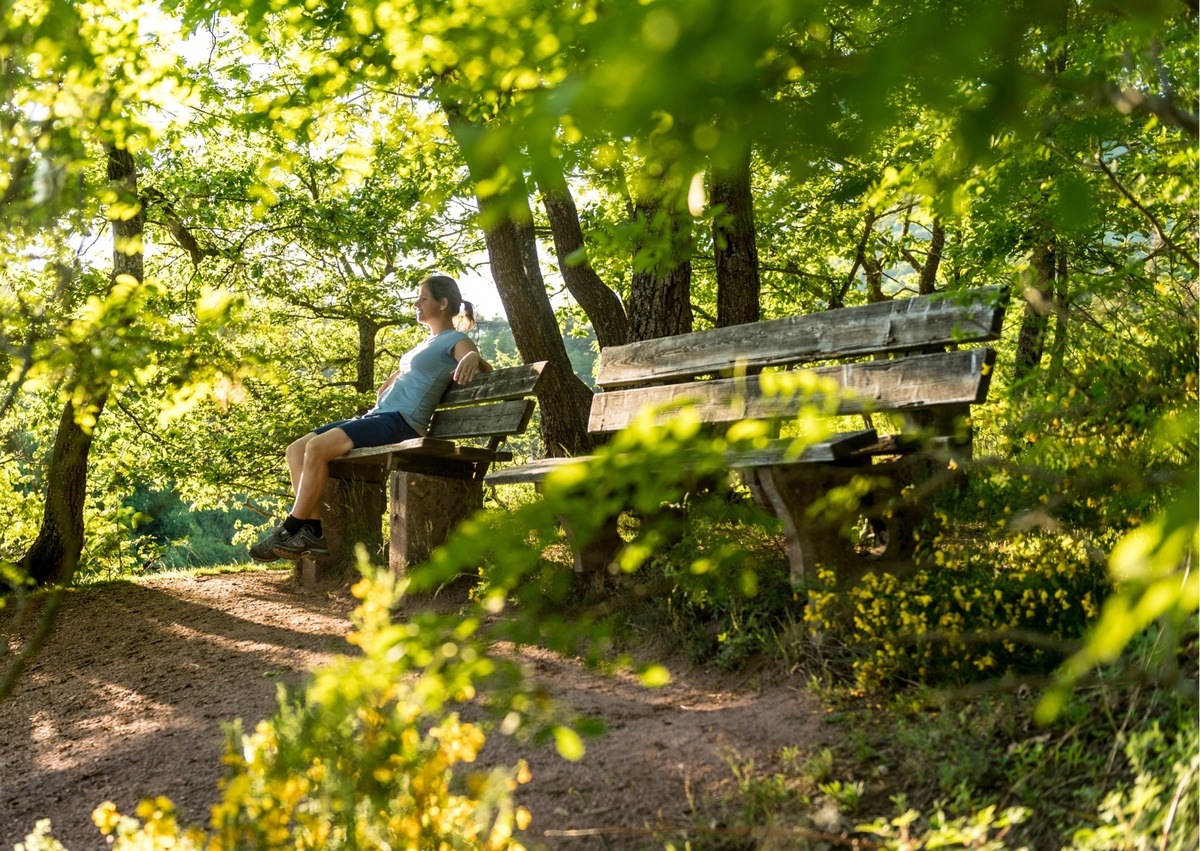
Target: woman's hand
{"x": 469, "y": 365}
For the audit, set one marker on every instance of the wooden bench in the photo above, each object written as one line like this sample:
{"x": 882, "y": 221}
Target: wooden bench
{"x": 425, "y": 485}
{"x": 900, "y": 357}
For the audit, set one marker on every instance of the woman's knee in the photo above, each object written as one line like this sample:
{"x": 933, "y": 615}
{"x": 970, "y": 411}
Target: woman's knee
{"x": 295, "y": 450}
{"x": 327, "y": 445}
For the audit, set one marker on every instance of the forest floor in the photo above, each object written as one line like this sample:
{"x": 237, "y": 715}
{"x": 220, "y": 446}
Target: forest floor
{"x": 128, "y": 697}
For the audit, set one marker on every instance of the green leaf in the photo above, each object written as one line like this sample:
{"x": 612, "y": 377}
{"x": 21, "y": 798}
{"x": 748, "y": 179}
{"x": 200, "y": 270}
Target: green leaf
{"x": 568, "y": 744}
{"x": 655, "y": 676}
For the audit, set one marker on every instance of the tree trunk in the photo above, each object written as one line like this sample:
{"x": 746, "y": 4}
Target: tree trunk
{"x": 55, "y": 552}
{"x": 660, "y": 297}
{"x": 873, "y": 272}
{"x": 564, "y": 400}
{"x": 735, "y": 247}
{"x": 364, "y": 379}
{"x": 937, "y": 242}
{"x": 1062, "y": 303}
{"x": 602, "y": 306}
{"x": 1031, "y": 341}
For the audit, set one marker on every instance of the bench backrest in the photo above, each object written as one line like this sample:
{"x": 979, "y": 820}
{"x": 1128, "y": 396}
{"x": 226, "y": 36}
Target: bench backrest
{"x": 906, "y": 338}
{"x": 494, "y": 405}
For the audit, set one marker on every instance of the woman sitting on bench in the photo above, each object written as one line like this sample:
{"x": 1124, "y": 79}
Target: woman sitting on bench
{"x": 404, "y": 405}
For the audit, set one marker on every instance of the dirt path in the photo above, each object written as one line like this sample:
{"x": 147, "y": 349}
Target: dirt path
{"x": 128, "y": 696}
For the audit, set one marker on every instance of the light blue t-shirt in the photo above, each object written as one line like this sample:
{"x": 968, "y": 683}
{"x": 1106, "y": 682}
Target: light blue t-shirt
{"x": 426, "y": 370}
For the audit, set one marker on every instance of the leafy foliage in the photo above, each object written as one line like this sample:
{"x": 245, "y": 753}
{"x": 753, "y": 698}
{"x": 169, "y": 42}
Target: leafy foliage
{"x": 363, "y": 758}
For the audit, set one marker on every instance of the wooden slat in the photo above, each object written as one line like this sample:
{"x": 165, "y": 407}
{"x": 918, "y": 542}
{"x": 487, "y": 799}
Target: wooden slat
{"x": 907, "y": 383}
{"x": 780, "y": 452}
{"x": 424, "y": 446}
{"x": 423, "y": 452}
{"x": 499, "y": 385}
{"x": 479, "y": 453}
{"x": 907, "y": 444}
{"x": 893, "y": 326}
{"x": 416, "y": 446}
{"x": 496, "y": 420}
{"x": 534, "y": 471}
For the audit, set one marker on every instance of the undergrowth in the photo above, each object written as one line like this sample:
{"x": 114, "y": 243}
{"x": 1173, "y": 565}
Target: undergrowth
{"x": 920, "y": 768}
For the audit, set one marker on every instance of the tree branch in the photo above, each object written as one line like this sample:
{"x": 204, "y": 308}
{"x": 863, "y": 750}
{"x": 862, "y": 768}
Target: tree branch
{"x": 1141, "y": 208}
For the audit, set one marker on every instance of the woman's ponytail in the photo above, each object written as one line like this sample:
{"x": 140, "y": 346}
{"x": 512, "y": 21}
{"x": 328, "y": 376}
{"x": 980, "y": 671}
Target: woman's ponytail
{"x": 464, "y": 320}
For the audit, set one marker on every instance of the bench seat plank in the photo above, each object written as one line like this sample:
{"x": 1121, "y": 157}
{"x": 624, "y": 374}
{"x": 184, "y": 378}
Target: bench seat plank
{"x": 909, "y": 324}
{"x": 416, "y": 446}
{"x": 534, "y": 471}
{"x": 424, "y": 447}
{"x": 907, "y": 383}
{"x": 833, "y": 448}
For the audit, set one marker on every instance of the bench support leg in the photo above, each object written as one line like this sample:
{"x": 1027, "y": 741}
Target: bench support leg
{"x": 351, "y": 513}
{"x": 423, "y": 511}
{"x": 789, "y": 492}
{"x": 819, "y": 539}
{"x": 595, "y": 557}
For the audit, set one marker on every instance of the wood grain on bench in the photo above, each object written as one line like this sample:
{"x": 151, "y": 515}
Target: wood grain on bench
{"x": 899, "y": 357}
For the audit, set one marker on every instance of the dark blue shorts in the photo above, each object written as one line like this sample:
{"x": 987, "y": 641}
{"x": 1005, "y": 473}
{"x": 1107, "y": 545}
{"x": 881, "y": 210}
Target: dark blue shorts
{"x": 373, "y": 429}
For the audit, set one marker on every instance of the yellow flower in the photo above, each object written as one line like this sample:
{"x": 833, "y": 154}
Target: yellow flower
{"x": 106, "y": 817}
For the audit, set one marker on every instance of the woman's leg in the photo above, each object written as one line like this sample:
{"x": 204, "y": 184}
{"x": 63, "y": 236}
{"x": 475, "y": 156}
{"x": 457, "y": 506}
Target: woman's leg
{"x": 295, "y": 459}
{"x": 315, "y": 453}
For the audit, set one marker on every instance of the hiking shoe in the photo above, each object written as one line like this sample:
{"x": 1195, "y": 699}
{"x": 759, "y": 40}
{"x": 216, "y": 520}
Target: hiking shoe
{"x": 264, "y": 550}
{"x": 303, "y": 543}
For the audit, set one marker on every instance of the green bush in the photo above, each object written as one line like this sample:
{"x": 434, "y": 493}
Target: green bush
{"x": 963, "y": 621}
{"x": 365, "y": 757}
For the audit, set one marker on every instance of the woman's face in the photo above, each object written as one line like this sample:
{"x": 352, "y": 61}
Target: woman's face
{"x": 427, "y": 307}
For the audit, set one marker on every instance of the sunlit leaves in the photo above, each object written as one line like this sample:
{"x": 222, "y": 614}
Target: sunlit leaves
{"x": 366, "y": 755}
{"x": 76, "y": 73}
{"x": 1158, "y": 584}
{"x": 568, "y": 744}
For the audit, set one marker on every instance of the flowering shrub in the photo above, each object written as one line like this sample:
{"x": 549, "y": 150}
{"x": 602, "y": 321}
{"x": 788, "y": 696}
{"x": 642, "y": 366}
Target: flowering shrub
{"x": 365, "y": 758}
{"x": 964, "y": 619}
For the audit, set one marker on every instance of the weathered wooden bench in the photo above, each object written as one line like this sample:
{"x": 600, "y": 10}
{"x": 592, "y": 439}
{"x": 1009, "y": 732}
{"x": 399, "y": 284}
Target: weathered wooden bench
{"x": 425, "y": 485}
{"x": 899, "y": 357}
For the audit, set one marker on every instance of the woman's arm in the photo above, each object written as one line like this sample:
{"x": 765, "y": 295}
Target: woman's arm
{"x": 470, "y": 362}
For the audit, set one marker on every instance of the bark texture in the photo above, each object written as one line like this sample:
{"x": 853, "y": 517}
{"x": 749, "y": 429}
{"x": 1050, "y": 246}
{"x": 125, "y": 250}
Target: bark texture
{"x": 602, "y": 306}
{"x": 660, "y": 297}
{"x": 54, "y": 554}
{"x": 364, "y": 379}
{"x": 933, "y": 260}
{"x": 735, "y": 247}
{"x": 563, "y": 399}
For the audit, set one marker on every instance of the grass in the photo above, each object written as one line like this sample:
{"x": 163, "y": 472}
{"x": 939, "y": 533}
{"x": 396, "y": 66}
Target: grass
{"x": 938, "y": 765}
